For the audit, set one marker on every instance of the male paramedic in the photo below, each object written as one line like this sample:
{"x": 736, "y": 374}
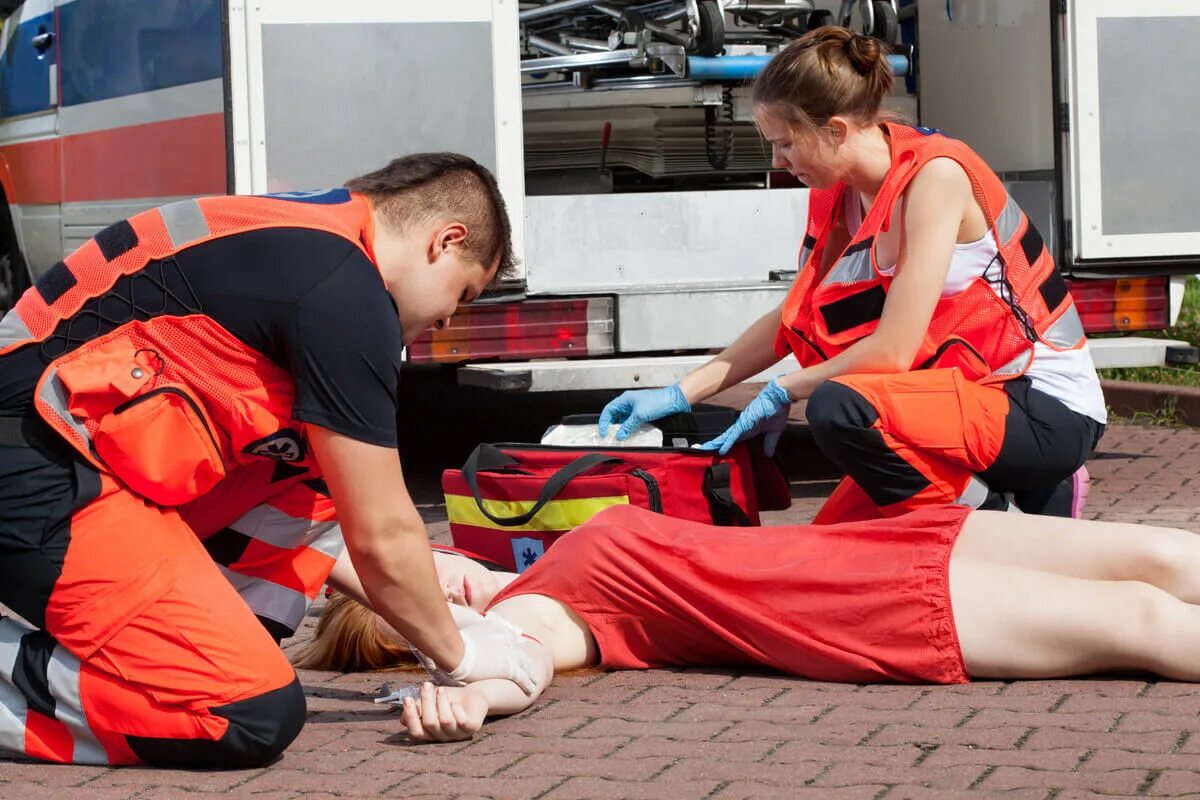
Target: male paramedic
{"x": 183, "y": 403}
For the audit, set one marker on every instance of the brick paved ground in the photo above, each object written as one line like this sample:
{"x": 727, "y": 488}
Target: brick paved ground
{"x": 732, "y": 736}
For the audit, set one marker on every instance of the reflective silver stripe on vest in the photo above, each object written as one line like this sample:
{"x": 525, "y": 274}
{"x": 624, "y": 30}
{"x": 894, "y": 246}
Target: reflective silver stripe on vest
{"x": 270, "y": 600}
{"x": 54, "y": 395}
{"x": 326, "y": 537}
{"x": 13, "y": 707}
{"x": 62, "y": 673}
{"x": 270, "y": 525}
{"x": 974, "y": 495}
{"x": 185, "y": 222}
{"x": 851, "y": 269}
{"x": 13, "y": 329}
{"x": 1067, "y": 331}
{"x": 1018, "y": 364}
{"x": 1008, "y": 221}
{"x": 805, "y": 255}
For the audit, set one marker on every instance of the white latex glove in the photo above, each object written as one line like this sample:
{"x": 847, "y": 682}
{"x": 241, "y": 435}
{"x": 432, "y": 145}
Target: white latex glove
{"x": 492, "y": 649}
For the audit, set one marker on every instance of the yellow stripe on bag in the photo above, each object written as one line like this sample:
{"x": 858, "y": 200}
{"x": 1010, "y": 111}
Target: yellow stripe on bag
{"x": 557, "y": 515}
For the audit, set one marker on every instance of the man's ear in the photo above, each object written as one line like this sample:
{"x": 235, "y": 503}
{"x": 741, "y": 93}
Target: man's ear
{"x": 451, "y": 234}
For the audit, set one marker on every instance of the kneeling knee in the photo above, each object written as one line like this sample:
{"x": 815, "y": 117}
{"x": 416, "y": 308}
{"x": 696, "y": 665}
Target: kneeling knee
{"x": 834, "y": 408}
{"x": 260, "y": 728}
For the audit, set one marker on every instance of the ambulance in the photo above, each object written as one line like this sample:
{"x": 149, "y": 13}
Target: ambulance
{"x": 650, "y": 227}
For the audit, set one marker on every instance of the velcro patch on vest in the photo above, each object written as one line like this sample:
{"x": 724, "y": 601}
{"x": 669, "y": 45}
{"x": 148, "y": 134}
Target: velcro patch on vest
{"x": 1053, "y": 289}
{"x": 117, "y": 239}
{"x": 857, "y": 309}
{"x": 55, "y": 282}
{"x": 283, "y": 445}
{"x": 1031, "y": 243}
{"x": 321, "y": 197}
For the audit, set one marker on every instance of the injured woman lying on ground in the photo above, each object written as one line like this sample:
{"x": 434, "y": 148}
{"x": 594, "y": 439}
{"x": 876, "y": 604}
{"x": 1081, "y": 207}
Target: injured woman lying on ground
{"x": 940, "y": 595}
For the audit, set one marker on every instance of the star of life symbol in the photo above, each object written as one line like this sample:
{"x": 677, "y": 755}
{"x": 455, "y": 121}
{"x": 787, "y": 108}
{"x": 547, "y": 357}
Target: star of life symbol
{"x": 526, "y": 551}
{"x": 283, "y": 445}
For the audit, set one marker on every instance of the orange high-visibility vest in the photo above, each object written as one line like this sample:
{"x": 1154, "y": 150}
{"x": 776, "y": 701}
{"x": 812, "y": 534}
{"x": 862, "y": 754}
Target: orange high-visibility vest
{"x": 167, "y": 403}
{"x": 986, "y": 332}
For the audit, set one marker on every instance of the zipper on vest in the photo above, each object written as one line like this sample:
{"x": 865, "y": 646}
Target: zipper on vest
{"x": 122, "y": 407}
{"x": 811, "y": 344}
{"x": 946, "y": 345}
{"x": 651, "y": 488}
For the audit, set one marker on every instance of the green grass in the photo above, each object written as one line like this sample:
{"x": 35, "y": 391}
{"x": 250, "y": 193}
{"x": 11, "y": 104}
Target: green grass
{"x": 1187, "y": 329}
{"x": 1165, "y": 417}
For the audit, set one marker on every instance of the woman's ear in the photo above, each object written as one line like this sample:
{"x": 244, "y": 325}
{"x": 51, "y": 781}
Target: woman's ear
{"x": 838, "y": 129}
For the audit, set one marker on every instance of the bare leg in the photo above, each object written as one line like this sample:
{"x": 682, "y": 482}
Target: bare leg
{"x": 1019, "y": 623}
{"x": 1168, "y": 558}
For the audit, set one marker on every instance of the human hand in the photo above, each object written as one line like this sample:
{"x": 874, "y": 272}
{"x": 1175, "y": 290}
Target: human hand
{"x": 491, "y": 649}
{"x": 634, "y": 408}
{"x": 767, "y": 414}
{"x": 444, "y": 713}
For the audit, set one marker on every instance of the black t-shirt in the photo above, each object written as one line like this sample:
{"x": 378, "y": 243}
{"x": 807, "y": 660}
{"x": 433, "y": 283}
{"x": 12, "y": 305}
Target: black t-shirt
{"x": 308, "y": 300}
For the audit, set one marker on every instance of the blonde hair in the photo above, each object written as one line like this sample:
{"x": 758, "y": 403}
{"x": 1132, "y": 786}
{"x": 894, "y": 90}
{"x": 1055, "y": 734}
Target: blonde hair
{"x": 827, "y": 72}
{"x": 348, "y": 639}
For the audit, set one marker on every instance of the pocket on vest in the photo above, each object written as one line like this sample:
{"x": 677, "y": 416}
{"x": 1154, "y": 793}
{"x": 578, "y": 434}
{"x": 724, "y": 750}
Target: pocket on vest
{"x": 161, "y": 445}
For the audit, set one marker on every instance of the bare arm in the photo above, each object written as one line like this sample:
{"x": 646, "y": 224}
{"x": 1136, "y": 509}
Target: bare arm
{"x": 449, "y": 713}
{"x": 750, "y": 354}
{"x": 344, "y": 579}
{"x": 934, "y": 206}
{"x": 387, "y": 542}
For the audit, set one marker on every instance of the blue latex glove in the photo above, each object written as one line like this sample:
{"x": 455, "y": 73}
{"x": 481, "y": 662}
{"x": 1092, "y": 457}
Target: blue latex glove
{"x": 634, "y": 408}
{"x": 767, "y": 414}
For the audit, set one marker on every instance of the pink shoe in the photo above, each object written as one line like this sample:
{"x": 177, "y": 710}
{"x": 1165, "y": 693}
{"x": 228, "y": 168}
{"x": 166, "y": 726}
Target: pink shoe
{"x": 1081, "y": 484}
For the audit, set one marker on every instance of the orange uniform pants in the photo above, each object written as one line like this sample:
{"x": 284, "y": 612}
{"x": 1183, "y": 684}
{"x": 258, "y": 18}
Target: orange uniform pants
{"x": 136, "y": 647}
{"x": 915, "y": 439}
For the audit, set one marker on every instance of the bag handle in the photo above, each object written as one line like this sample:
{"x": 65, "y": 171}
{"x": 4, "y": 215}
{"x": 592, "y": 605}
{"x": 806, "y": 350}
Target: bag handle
{"x": 724, "y": 508}
{"x": 488, "y": 457}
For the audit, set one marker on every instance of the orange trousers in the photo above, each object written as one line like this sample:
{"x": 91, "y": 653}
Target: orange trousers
{"x": 914, "y": 439}
{"x": 142, "y": 650}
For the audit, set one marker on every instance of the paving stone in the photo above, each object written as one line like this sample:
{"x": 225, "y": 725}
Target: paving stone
{"x": 724, "y": 734}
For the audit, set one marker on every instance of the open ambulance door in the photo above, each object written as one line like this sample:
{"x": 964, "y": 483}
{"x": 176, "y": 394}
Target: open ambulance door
{"x": 323, "y": 91}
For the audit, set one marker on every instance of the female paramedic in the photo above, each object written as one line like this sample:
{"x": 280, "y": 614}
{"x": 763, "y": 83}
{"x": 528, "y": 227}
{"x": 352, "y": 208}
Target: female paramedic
{"x": 943, "y": 594}
{"x": 943, "y": 357}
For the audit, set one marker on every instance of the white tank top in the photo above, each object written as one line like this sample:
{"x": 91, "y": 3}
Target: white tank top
{"x": 1068, "y": 376}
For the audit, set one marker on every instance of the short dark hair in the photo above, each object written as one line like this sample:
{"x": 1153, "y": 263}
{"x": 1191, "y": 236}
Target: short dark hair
{"x": 425, "y": 186}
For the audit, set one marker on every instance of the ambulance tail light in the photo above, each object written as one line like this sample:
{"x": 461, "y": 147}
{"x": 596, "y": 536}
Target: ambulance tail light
{"x": 576, "y": 327}
{"x": 1122, "y": 304}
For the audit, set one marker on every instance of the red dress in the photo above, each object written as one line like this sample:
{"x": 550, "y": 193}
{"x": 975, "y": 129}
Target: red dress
{"x": 860, "y": 602}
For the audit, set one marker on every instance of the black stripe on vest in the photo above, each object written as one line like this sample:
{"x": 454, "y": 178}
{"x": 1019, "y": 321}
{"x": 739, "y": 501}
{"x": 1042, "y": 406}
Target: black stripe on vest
{"x": 117, "y": 239}
{"x": 226, "y": 546}
{"x": 1031, "y": 243}
{"x": 31, "y": 671}
{"x": 1053, "y": 289}
{"x": 857, "y": 246}
{"x": 810, "y": 241}
{"x": 319, "y": 486}
{"x": 55, "y": 282}
{"x": 850, "y": 312}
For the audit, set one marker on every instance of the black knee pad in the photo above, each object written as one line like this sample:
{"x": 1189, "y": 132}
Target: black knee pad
{"x": 834, "y": 408}
{"x": 260, "y": 729}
